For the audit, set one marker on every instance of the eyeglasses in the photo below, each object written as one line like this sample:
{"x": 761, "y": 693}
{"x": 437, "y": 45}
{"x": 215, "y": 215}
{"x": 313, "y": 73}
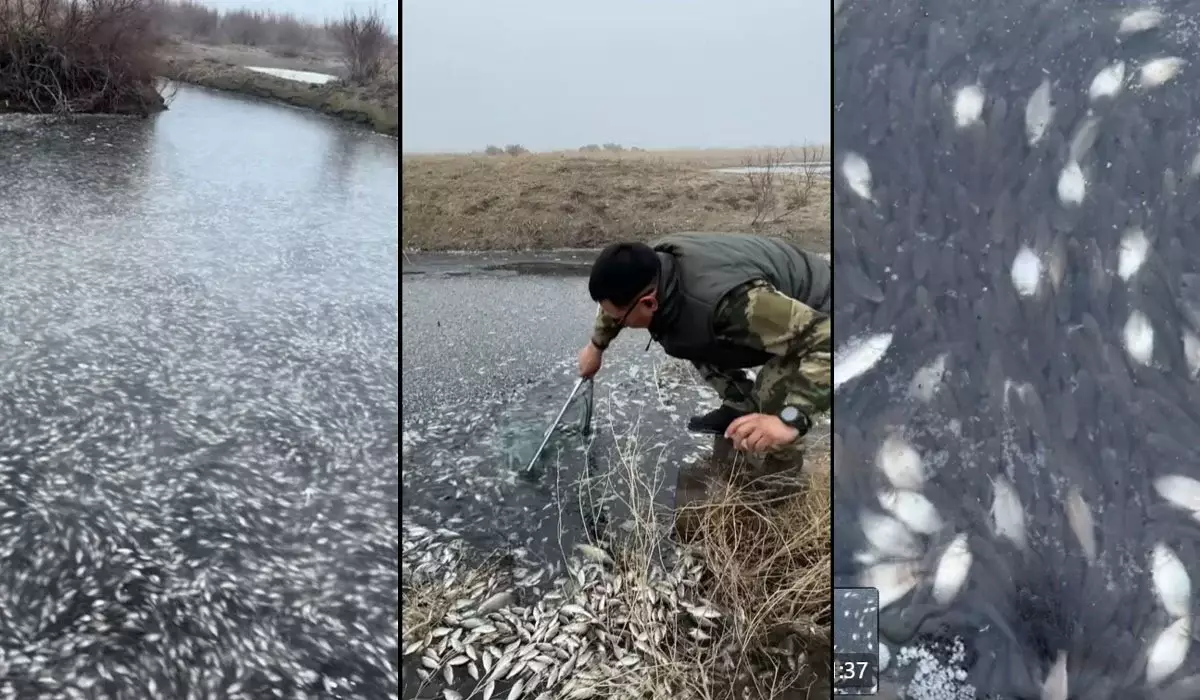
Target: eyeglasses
{"x": 632, "y": 306}
{"x": 642, "y": 297}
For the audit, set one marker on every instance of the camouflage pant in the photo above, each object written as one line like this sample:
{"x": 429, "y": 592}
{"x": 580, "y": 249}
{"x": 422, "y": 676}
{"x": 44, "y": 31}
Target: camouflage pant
{"x": 737, "y": 390}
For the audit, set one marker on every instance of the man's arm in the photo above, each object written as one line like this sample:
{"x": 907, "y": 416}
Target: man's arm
{"x": 801, "y": 339}
{"x": 605, "y": 330}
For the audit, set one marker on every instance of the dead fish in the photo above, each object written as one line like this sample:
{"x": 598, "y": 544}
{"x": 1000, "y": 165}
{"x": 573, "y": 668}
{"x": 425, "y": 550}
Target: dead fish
{"x": 1181, "y": 491}
{"x": 496, "y": 602}
{"x": 893, "y": 579}
{"x": 1168, "y": 651}
{"x": 952, "y": 570}
{"x": 1079, "y": 517}
{"x": 901, "y": 464}
{"x": 1055, "y": 685}
{"x": 1171, "y": 582}
{"x": 889, "y": 536}
{"x": 858, "y": 356}
{"x": 913, "y": 510}
{"x": 1008, "y": 516}
{"x": 594, "y": 553}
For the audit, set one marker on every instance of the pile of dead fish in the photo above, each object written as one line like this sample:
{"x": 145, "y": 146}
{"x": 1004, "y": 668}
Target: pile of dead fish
{"x": 596, "y": 632}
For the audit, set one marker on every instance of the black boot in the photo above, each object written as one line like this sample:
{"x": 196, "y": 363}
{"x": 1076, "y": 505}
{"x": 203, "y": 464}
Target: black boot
{"x": 715, "y": 421}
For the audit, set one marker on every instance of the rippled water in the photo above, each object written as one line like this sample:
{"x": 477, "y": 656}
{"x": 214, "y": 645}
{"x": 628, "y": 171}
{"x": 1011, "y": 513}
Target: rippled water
{"x": 198, "y": 405}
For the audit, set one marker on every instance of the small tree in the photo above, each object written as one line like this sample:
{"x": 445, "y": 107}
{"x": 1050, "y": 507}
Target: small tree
{"x": 493, "y": 150}
{"x": 515, "y": 149}
{"x": 770, "y": 172}
{"x": 363, "y": 40}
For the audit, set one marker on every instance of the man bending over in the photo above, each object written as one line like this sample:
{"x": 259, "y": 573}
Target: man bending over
{"x": 727, "y": 303}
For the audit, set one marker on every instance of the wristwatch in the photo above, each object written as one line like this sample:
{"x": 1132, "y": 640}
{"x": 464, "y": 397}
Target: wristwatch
{"x": 795, "y": 418}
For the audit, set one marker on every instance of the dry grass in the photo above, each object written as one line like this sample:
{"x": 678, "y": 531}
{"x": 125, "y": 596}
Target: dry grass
{"x": 769, "y": 557}
{"x": 765, "y": 566}
{"x": 587, "y": 200}
{"x": 695, "y": 157}
{"x": 425, "y": 607}
{"x": 260, "y": 56}
{"x": 740, "y": 610}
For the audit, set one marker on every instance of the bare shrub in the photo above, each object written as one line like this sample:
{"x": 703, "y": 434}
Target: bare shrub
{"x": 74, "y": 57}
{"x": 189, "y": 19}
{"x": 243, "y": 27}
{"x": 803, "y": 180}
{"x": 760, "y": 174}
{"x": 515, "y": 149}
{"x": 364, "y": 41}
{"x": 493, "y": 151}
{"x": 293, "y": 33}
{"x": 194, "y": 21}
{"x": 773, "y": 173}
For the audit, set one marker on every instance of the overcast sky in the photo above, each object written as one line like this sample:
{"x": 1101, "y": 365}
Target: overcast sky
{"x": 551, "y": 74}
{"x": 313, "y": 10}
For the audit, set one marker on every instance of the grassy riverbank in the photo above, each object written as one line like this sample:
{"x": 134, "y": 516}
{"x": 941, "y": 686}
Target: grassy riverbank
{"x": 588, "y": 199}
{"x": 375, "y": 105}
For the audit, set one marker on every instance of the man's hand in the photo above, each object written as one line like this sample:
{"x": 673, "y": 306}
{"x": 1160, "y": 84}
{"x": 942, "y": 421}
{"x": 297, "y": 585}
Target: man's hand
{"x": 590, "y": 359}
{"x": 759, "y": 432}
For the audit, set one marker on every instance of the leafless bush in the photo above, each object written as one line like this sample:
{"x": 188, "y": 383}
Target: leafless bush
{"x": 292, "y": 33}
{"x": 188, "y": 19}
{"x": 193, "y": 21}
{"x": 494, "y": 151}
{"x": 68, "y": 56}
{"x": 760, "y": 174}
{"x": 803, "y": 180}
{"x": 364, "y": 41}
{"x": 515, "y": 149}
{"x": 774, "y": 172}
{"x": 250, "y": 28}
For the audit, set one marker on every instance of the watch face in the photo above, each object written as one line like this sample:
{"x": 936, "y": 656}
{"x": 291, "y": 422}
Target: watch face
{"x": 789, "y": 414}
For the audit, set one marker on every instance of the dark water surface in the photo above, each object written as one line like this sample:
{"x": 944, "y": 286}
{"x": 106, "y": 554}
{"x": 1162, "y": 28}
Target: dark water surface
{"x": 198, "y": 405}
{"x": 1016, "y": 220}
